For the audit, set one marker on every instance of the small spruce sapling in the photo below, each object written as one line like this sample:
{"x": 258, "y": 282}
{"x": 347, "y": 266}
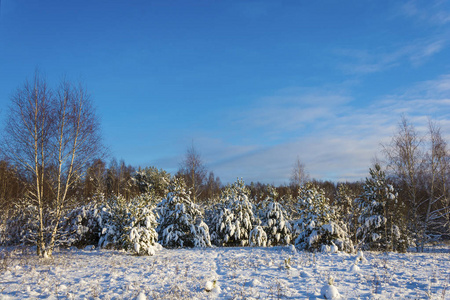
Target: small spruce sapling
{"x": 319, "y": 227}
{"x": 234, "y": 217}
{"x": 378, "y": 228}
{"x": 180, "y": 220}
{"x": 275, "y": 222}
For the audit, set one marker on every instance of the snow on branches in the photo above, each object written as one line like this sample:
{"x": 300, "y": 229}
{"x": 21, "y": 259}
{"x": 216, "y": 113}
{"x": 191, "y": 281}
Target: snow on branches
{"x": 180, "y": 220}
{"x": 129, "y": 224}
{"x": 233, "y": 217}
{"x": 378, "y": 222}
{"x": 319, "y": 227}
{"x": 274, "y": 221}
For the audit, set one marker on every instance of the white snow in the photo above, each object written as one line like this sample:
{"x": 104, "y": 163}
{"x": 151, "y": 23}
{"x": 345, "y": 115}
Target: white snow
{"x": 330, "y": 292}
{"x": 223, "y": 273}
{"x": 141, "y": 296}
{"x": 354, "y": 268}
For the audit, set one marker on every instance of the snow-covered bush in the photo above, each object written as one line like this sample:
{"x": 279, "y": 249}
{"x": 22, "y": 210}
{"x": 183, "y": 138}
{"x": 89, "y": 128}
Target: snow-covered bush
{"x": 80, "y": 226}
{"x": 112, "y": 220}
{"x": 21, "y": 227}
{"x": 329, "y": 291}
{"x": 129, "y": 225}
{"x": 258, "y": 237}
{"x": 233, "y": 219}
{"x": 378, "y": 229}
{"x": 180, "y": 220}
{"x": 319, "y": 225}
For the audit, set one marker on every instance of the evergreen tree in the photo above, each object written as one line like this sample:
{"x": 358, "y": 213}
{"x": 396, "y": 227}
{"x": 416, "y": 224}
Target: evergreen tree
{"x": 234, "y": 217}
{"x": 319, "y": 227}
{"x": 129, "y": 225}
{"x": 140, "y": 231}
{"x": 380, "y": 215}
{"x": 21, "y": 227}
{"x": 152, "y": 179}
{"x": 258, "y": 237}
{"x": 81, "y": 225}
{"x": 274, "y": 221}
{"x": 347, "y": 208}
{"x": 180, "y": 221}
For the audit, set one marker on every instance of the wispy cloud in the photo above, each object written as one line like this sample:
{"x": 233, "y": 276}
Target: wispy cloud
{"x": 434, "y": 15}
{"x": 354, "y": 61}
{"x": 429, "y": 18}
{"x": 291, "y": 110}
{"x": 334, "y": 138}
{"x": 341, "y": 141}
{"x": 434, "y": 12}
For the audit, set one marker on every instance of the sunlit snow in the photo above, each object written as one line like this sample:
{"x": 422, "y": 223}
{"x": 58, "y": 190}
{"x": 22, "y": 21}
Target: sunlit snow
{"x": 223, "y": 273}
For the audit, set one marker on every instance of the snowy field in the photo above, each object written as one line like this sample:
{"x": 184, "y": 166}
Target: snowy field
{"x": 223, "y": 273}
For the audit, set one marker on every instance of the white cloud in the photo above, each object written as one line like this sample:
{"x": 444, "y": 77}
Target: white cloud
{"x": 432, "y": 12}
{"x": 291, "y": 111}
{"x": 383, "y": 58}
{"x": 335, "y": 139}
{"x": 341, "y": 141}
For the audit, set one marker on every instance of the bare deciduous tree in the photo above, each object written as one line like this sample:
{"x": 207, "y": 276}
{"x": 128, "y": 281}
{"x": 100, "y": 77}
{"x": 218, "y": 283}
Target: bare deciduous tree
{"x": 95, "y": 178}
{"x": 299, "y": 175}
{"x": 420, "y": 166}
{"x": 406, "y": 161}
{"x": 119, "y": 180}
{"x": 193, "y": 171}
{"x": 51, "y": 136}
{"x": 437, "y": 202}
{"x": 212, "y": 187}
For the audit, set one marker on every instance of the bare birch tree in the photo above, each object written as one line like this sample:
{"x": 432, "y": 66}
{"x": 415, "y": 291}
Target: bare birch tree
{"x": 52, "y": 136}
{"x": 420, "y": 166}
{"x": 406, "y": 161}
{"x": 299, "y": 175}
{"x": 193, "y": 171}
{"x": 437, "y": 202}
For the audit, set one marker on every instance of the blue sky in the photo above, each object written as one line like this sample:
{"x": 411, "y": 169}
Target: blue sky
{"x": 254, "y": 84}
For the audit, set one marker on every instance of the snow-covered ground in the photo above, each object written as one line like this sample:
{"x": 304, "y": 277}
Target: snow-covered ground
{"x": 223, "y": 273}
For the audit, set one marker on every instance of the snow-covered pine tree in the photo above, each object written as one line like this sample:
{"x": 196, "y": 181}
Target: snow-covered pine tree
{"x": 258, "y": 237}
{"x": 80, "y": 226}
{"x": 180, "y": 220}
{"x": 378, "y": 228}
{"x": 21, "y": 227}
{"x": 140, "y": 234}
{"x": 234, "y": 217}
{"x": 274, "y": 221}
{"x": 129, "y": 225}
{"x": 152, "y": 179}
{"x": 319, "y": 227}
{"x": 112, "y": 218}
{"x": 347, "y": 208}
{"x": 289, "y": 203}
